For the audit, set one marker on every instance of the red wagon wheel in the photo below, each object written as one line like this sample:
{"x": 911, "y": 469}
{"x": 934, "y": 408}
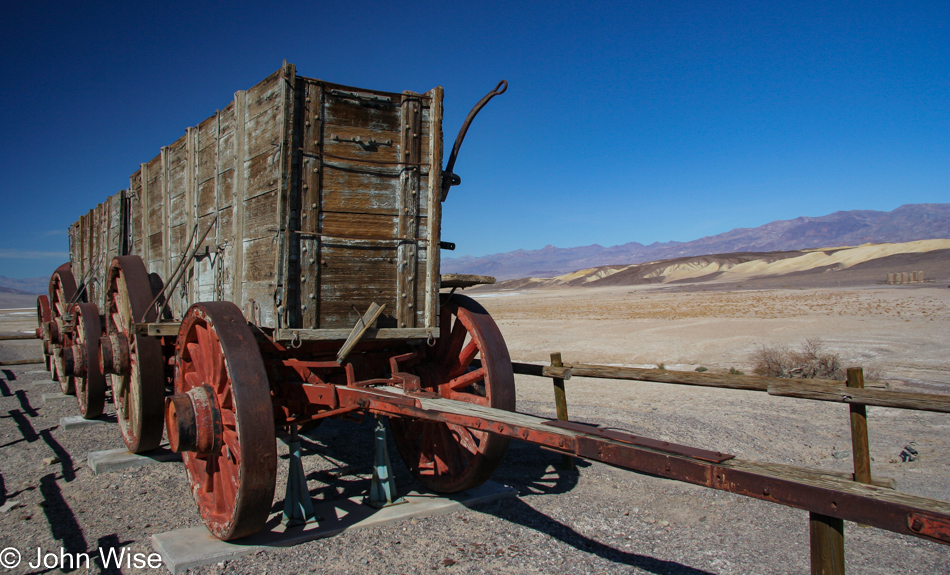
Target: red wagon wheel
{"x": 135, "y": 362}
{"x": 43, "y": 317}
{"x": 447, "y": 458}
{"x": 90, "y": 383}
{"x": 221, "y": 418}
{"x": 62, "y": 292}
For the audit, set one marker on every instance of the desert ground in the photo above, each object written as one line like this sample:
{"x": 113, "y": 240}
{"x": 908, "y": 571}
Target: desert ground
{"x": 595, "y": 519}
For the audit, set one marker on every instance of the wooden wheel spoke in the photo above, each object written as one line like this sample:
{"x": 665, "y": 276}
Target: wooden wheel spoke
{"x": 234, "y": 445}
{"x": 426, "y": 447}
{"x": 197, "y": 368}
{"x": 467, "y": 379}
{"x": 227, "y": 400}
{"x": 452, "y": 455}
{"x": 439, "y": 459}
{"x": 211, "y": 466}
{"x": 202, "y": 354}
{"x": 465, "y": 359}
{"x": 117, "y": 321}
{"x": 466, "y": 438}
{"x": 457, "y": 339}
{"x": 192, "y": 378}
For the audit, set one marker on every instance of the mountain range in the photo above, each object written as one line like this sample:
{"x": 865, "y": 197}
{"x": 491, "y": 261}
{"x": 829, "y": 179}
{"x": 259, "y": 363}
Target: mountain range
{"x": 907, "y": 223}
{"x": 24, "y": 286}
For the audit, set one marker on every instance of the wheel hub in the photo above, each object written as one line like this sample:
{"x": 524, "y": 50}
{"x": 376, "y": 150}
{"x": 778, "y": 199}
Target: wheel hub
{"x": 74, "y": 360}
{"x": 114, "y": 354}
{"x": 193, "y": 421}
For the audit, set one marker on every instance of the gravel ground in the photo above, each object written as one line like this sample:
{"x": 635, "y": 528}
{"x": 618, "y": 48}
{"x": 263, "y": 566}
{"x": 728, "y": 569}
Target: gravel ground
{"x": 595, "y": 519}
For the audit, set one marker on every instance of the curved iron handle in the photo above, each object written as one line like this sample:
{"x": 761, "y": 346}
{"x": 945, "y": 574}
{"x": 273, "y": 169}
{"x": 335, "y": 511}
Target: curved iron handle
{"x": 449, "y": 178}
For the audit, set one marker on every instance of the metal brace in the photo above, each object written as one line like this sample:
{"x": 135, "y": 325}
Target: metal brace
{"x": 298, "y": 506}
{"x": 382, "y": 491}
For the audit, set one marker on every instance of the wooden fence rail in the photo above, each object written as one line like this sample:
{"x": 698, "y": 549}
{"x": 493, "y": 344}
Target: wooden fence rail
{"x": 815, "y": 389}
{"x": 826, "y": 533}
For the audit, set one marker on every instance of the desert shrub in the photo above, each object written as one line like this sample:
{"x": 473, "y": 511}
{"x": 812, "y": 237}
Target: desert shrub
{"x": 701, "y": 369}
{"x": 661, "y": 366}
{"x": 811, "y": 361}
{"x": 734, "y": 371}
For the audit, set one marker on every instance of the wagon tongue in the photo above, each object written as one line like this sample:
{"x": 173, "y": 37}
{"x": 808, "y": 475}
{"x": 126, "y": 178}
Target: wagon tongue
{"x": 624, "y": 437}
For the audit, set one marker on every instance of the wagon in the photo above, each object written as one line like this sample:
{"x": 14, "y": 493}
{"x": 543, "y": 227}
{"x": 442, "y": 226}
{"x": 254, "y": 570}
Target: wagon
{"x": 281, "y": 253}
{"x": 279, "y": 265}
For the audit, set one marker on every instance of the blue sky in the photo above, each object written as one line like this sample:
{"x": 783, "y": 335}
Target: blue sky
{"x": 628, "y": 121}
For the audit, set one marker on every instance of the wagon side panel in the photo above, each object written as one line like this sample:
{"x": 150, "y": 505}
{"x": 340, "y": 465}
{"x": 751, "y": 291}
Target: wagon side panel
{"x": 263, "y": 117}
{"x": 364, "y": 180}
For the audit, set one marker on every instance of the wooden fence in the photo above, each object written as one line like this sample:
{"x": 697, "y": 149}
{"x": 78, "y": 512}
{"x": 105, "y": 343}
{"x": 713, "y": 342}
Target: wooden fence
{"x": 826, "y": 533}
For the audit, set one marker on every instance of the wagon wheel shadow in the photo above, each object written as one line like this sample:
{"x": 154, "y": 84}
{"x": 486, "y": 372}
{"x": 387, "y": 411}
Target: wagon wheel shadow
{"x": 530, "y": 470}
{"x": 349, "y": 449}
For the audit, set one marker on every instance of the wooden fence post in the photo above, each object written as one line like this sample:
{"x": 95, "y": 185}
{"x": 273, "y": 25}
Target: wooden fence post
{"x": 560, "y": 401}
{"x": 827, "y": 544}
{"x": 859, "y": 430}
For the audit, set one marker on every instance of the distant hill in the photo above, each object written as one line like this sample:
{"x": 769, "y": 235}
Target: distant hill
{"x": 30, "y": 286}
{"x": 907, "y": 223}
{"x": 867, "y": 264}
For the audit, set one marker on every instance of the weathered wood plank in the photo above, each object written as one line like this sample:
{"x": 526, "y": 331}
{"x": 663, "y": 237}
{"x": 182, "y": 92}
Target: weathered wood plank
{"x": 377, "y": 117}
{"x": 878, "y": 397}
{"x": 432, "y": 126}
{"x": 264, "y": 95}
{"x": 360, "y": 146}
{"x": 344, "y": 225}
{"x": 240, "y": 183}
{"x": 723, "y": 380}
{"x": 359, "y": 330}
{"x": 264, "y": 173}
{"x": 342, "y": 334}
{"x": 665, "y": 376}
{"x": 176, "y": 167}
{"x": 378, "y": 189}
{"x": 263, "y": 133}
{"x": 260, "y": 259}
{"x": 826, "y": 538}
{"x": 859, "y": 430}
{"x": 261, "y": 216}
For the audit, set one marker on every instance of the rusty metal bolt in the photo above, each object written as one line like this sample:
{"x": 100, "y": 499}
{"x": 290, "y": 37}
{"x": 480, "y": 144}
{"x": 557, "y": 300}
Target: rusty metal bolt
{"x": 917, "y": 525}
{"x": 766, "y": 491}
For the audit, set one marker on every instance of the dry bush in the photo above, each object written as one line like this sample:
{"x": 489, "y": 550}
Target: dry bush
{"x": 811, "y": 361}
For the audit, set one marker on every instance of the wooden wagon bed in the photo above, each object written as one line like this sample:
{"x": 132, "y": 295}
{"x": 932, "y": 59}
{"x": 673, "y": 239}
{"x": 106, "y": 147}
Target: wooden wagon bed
{"x": 301, "y": 201}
